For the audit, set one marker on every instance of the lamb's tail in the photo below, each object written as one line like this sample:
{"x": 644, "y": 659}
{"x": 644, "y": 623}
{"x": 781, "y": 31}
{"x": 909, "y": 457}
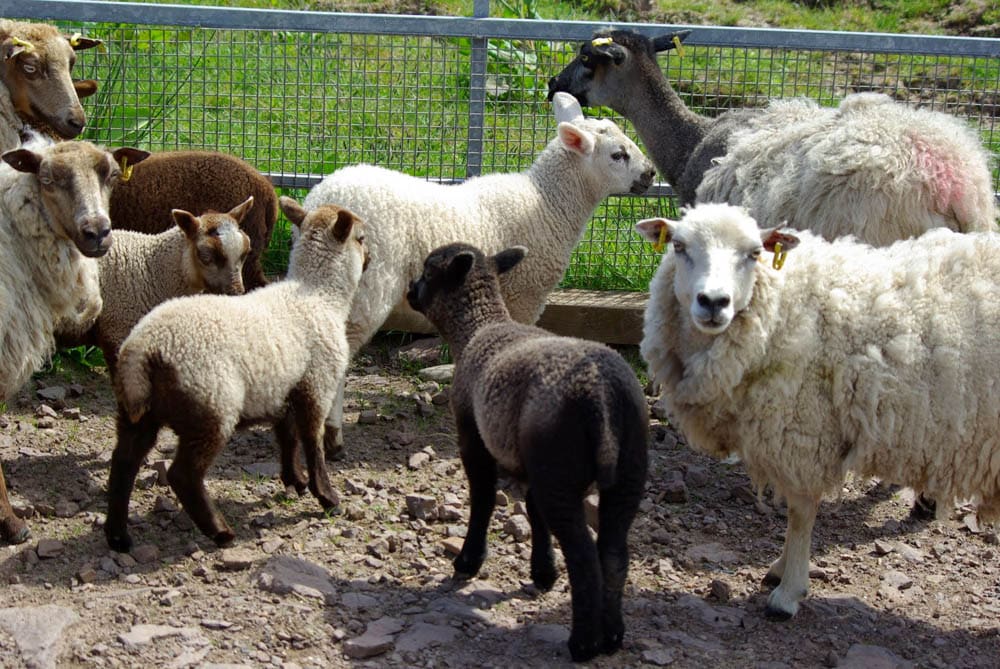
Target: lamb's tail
{"x": 624, "y": 435}
{"x": 133, "y": 386}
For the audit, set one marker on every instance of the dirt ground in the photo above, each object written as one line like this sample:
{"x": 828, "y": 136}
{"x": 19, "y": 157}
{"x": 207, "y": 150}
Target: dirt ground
{"x": 372, "y": 586}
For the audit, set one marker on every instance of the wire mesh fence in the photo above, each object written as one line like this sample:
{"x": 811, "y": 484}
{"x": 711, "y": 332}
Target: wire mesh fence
{"x": 299, "y": 94}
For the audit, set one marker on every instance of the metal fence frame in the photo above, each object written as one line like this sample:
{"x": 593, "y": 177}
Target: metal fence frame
{"x": 480, "y": 29}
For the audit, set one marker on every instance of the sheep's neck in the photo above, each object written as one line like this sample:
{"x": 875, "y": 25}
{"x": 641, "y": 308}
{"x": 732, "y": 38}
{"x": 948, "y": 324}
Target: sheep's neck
{"x": 668, "y": 129}
{"x": 476, "y": 310}
{"x": 566, "y": 206}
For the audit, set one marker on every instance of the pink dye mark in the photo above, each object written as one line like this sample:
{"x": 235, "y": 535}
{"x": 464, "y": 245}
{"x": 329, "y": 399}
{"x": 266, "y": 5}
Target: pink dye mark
{"x": 941, "y": 174}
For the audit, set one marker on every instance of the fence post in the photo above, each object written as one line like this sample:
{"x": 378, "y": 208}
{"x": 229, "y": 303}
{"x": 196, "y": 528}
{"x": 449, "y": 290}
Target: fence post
{"x": 477, "y": 95}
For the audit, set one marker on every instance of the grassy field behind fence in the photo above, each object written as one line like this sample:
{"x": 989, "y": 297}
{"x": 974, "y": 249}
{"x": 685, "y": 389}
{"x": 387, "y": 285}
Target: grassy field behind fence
{"x": 310, "y": 103}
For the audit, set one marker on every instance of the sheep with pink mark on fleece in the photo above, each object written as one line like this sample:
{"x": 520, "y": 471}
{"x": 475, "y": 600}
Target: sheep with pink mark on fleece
{"x": 872, "y": 168}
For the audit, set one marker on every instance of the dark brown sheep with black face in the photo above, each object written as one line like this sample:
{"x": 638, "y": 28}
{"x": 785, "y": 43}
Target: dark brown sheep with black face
{"x": 198, "y": 182}
{"x": 557, "y": 412}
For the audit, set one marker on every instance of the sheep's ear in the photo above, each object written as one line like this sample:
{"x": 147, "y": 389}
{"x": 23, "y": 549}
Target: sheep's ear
{"x": 459, "y": 266}
{"x": 292, "y": 210}
{"x": 656, "y": 230}
{"x": 240, "y": 210}
{"x": 508, "y": 259}
{"x": 84, "y": 87}
{"x": 23, "y": 160}
{"x": 79, "y": 42}
{"x": 575, "y": 139}
{"x": 670, "y": 40}
{"x": 566, "y": 107}
{"x": 342, "y": 228}
{"x": 771, "y": 236}
{"x": 187, "y": 222}
{"x": 608, "y": 48}
{"x": 130, "y": 155}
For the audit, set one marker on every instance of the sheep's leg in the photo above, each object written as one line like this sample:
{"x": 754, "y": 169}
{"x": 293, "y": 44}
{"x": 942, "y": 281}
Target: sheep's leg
{"x": 195, "y": 453}
{"x": 793, "y": 565}
{"x": 616, "y": 511}
{"x": 12, "y": 529}
{"x": 481, "y": 471}
{"x": 292, "y": 473}
{"x": 333, "y": 437}
{"x": 309, "y": 415}
{"x": 135, "y": 441}
{"x": 563, "y": 512}
{"x": 543, "y": 565}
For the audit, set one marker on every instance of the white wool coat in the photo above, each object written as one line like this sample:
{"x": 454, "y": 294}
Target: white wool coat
{"x": 884, "y": 362}
{"x": 872, "y": 168}
{"x": 44, "y": 280}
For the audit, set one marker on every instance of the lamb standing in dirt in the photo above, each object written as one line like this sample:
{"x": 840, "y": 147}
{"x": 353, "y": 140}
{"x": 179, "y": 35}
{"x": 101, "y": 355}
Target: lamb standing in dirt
{"x": 36, "y": 89}
{"x": 205, "y": 364}
{"x": 200, "y": 254}
{"x": 872, "y": 168}
{"x": 53, "y": 223}
{"x": 548, "y": 205}
{"x": 558, "y": 412}
{"x": 198, "y": 181}
{"x": 880, "y": 361}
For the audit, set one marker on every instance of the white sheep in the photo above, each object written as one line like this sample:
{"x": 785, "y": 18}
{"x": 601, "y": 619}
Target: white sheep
{"x": 559, "y": 413}
{"x": 199, "y": 254}
{"x": 53, "y": 222}
{"x": 880, "y": 361}
{"x": 36, "y": 89}
{"x": 547, "y": 206}
{"x": 205, "y": 364}
{"x": 872, "y": 168}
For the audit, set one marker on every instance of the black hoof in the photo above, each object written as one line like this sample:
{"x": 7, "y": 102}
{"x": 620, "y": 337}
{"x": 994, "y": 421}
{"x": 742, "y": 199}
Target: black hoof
{"x": 581, "y": 651}
{"x": 122, "y": 543}
{"x": 544, "y": 579}
{"x": 777, "y": 615}
{"x": 923, "y": 509}
{"x": 224, "y": 538}
{"x": 17, "y": 535}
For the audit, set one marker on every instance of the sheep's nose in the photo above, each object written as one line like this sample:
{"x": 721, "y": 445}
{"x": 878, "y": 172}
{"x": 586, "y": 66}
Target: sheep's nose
{"x": 713, "y": 304}
{"x": 76, "y": 124}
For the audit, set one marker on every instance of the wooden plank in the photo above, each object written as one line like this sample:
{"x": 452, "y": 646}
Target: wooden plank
{"x": 609, "y": 316}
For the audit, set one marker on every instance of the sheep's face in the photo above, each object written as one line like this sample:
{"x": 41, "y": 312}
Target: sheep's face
{"x": 616, "y": 165}
{"x": 611, "y": 66}
{"x": 218, "y": 248}
{"x": 74, "y": 181}
{"x": 716, "y": 249}
{"x": 35, "y": 67}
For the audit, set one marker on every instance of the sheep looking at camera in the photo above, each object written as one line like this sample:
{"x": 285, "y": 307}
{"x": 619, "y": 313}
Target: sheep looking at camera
{"x": 548, "y": 205}
{"x": 198, "y": 181}
{"x": 200, "y": 254}
{"x": 53, "y": 223}
{"x": 205, "y": 364}
{"x": 880, "y": 361}
{"x": 872, "y": 168}
{"x": 557, "y": 412}
{"x": 36, "y": 89}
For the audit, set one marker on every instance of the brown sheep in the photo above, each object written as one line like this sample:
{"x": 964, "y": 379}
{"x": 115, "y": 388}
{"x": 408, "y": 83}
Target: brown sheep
{"x": 197, "y": 181}
{"x": 36, "y": 89}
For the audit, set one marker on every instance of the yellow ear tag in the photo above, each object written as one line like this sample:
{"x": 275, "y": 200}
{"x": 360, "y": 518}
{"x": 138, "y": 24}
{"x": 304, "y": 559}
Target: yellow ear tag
{"x": 74, "y": 40}
{"x": 779, "y": 256}
{"x": 601, "y": 41}
{"x": 126, "y": 169}
{"x": 662, "y": 241}
{"x": 16, "y": 41}
{"x": 678, "y": 47}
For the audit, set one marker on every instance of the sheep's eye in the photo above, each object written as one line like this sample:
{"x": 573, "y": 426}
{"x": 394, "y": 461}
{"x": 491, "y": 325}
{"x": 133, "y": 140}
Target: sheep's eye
{"x": 29, "y": 68}
{"x": 584, "y": 58}
{"x": 361, "y": 239}
{"x": 620, "y": 155}
{"x": 755, "y": 254}
{"x": 45, "y": 180}
{"x": 679, "y": 248}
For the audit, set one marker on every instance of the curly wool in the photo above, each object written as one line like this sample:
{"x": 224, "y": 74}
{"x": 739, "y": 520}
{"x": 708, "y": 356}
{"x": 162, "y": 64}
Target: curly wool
{"x": 44, "y": 280}
{"x": 878, "y": 361}
{"x": 872, "y": 168}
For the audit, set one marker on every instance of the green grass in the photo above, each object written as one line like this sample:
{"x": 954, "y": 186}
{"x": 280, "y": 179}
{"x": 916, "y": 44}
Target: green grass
{"x": 310, "y": 103}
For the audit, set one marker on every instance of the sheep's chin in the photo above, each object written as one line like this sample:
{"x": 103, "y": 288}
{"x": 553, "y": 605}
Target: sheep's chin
{"x": 711, "y": 326}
